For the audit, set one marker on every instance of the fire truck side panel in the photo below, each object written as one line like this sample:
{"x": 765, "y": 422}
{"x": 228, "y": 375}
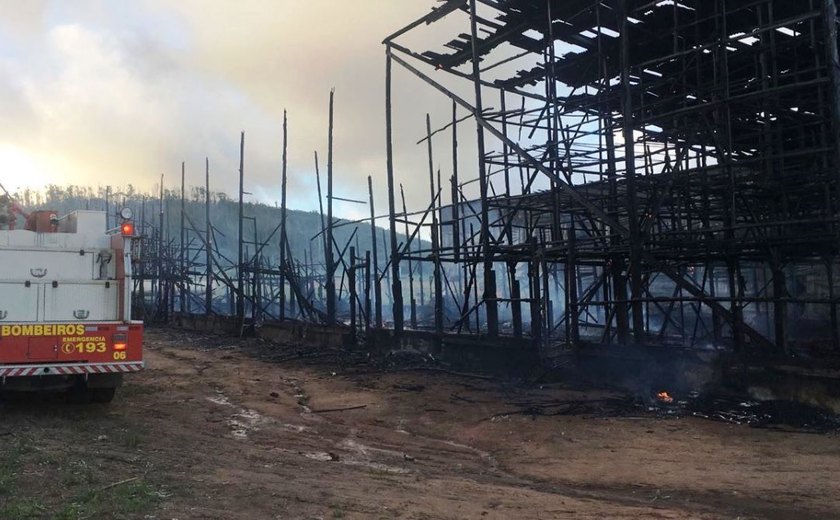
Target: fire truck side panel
{"x": 75, "y": 343}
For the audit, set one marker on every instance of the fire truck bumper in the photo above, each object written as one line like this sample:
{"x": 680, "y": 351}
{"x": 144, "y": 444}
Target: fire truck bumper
{"x": 70, "y": 369}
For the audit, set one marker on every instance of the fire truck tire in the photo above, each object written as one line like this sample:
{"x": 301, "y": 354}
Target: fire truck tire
{"x": 103, "y": 395}
{"x": 78, "y": 393}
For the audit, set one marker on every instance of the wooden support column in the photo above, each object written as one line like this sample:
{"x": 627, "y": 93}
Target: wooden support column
{"x": 283, "y": 236}
{"x": 377, "y": 283}
{"x": 572, "y": 285}
{"x": 630, "y": 179}
{"x": 515, "y": 304}
{"x": 182, "y": 277}
{"x": 396, "y": 286}
{"x": 455, "y": 213}
{"x": 240, "y": 281}
{"x": 330, "y": 262}
{"x": 489, "y": 297}
{"x": 833, "y": 66}
{"x": 732, "y": 273}
{"x": 412, "y": 301}
{"x": 208, "y": 268}
{"x": 435, "y": 238}
{"x": 351, "y": 282}
{"x": 534, "y": 290}
{"x": 835, "y": 327}
{"x": 141, "y": 287}
{"x": 367, "y": 294}
{"x": 161, "y": 272}
{"x": 780, "y": 296}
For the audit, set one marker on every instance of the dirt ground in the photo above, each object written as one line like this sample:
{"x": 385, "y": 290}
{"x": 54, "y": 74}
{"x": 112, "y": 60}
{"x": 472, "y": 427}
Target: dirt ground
{"x": 211, "y": 431}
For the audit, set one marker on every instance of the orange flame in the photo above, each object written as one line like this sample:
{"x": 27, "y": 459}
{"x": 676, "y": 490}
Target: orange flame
{"x": 665, "y": 397}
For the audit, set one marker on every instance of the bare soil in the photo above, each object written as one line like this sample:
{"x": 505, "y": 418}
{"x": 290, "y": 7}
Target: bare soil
{"x": 212, "y": 431}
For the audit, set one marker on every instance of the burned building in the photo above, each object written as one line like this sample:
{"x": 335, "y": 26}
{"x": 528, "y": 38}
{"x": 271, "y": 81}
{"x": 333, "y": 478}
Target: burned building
{"x": 652, "y": 172}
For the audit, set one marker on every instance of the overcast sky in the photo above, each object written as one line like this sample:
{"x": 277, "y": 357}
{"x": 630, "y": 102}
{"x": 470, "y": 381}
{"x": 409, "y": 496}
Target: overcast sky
{"x": 111, "y": 93}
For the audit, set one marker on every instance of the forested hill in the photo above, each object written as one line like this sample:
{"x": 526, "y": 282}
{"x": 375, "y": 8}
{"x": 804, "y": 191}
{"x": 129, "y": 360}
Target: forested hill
{"x": 303, "y": 227}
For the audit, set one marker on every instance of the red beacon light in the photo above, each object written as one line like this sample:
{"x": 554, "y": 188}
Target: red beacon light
{"x": 127, "y": 227}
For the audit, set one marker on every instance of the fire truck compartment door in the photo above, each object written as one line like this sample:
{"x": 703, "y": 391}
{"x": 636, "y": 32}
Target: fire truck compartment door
{"x": 88, "y": 301}
{"x": 39, "y": 266}
{"x": 19, "y": 303}
{"x": 42, "y": 349}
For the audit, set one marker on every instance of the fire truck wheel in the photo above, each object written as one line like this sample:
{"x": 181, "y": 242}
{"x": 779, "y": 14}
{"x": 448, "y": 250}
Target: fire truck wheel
{"x": 78, "y": 393}
{"x": 102, "y": 395}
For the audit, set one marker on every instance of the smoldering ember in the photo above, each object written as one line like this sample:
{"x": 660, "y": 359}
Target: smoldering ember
{"x": 589, "y": 272}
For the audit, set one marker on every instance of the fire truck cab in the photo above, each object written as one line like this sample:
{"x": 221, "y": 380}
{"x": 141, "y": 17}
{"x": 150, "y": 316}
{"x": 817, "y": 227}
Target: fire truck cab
{"x": 65, "y": 305}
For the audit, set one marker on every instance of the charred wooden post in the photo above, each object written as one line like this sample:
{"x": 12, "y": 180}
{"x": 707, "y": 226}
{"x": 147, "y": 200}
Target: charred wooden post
{"x": 437, "y": 274}
{"x": 368, "y": 271}
{"x": 630, "y": 178}
{"x": 330, "y": 262}
{"x": 396, "y": 286}
{"x": 572, "y": 286}
{"x": 182, "y": 267}
{"x": 829, "y": 17}
{"x": 324, "y": 245}
{"x": 283, "y": 238}
{"x": 377, "y": 283}
{"x": 413, "y": 302}
{"x": 240, "y": 264}
{"x": 141, "y": 267}
{"x": 161, "y": 273}
{"x": 780, "y": 314}
{"x": 487, "y": 255}
{"x": 208, "y": 268}
{"x": 534, "y": 290}
{"x": 832, "y": 307}
{"x": 516, "y": 304}
{"x": 351, "y": 275}
{"x": 456, "y": 203}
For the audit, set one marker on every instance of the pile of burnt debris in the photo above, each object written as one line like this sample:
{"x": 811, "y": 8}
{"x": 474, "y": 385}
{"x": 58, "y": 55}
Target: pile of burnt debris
{"x": 777, "y": 415}
{"x": 772, "y": 414}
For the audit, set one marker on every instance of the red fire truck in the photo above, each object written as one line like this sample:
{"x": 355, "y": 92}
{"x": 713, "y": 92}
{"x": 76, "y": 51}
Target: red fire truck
{"x": 65, "y": 303}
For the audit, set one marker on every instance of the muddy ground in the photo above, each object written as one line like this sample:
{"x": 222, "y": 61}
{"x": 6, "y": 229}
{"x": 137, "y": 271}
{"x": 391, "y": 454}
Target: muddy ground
{"x": 211, "y": 430}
